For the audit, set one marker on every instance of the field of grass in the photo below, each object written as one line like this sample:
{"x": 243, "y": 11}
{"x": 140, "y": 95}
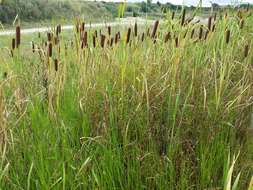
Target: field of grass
{"x": 167, "y": 106}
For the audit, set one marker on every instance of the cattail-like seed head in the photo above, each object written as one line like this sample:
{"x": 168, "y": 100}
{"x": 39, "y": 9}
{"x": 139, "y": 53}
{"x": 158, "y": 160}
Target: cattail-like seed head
{"x": 5, "y": 75}
{"x": 49, "y": 37}
{"x": 56, "y": 65}
{"x": 209, "y": 23}
{"x": 50, "y": 49}
{"x": 77, "y": 28}
{"x": 176, "y": 42}
{"x": 18, "y": 36}
{"x": 94, "y": 40}
{"x": 128, "y": 35}
{"x": 167, "y": 37}
{"x": 148, "y": 32}
{"x": 200, "y": 32}
{"x": 56, "y": 40}
{"x": 116, "y": 38}
{"x": 82, "y": 27}
{"x": 111, "y": 42}
{"x": 102, "y": 40}
{"x": 33, "y": 47}
{"x": 185, "y": 34}
{"x": 192, "y": 33}
{"x": 241, "y": 23}
{"x": 38, "y": 34}
{"x": 183, "y": 18}
{"x": 226, "y": 15}
{"x": 142, "y": 36}
{"x": 227, "y": 36}
{"x": 215, "y": 16}
{"x": 96, "y": 33}
{"x": 119, "y": 35}
{"x": 206, "y": 34}
{"x": 213, "y": 28}
{"x": 155, "y": 27}
{"x": 109, "y": 30}
{"x": 172, "y": 15}
{"x": 85, "y": 39}
{"x": 246, "y": 50}
{"x": 13, "y": 43}
{"x": 135, "y": 29}
{"x": 58, "y": 30}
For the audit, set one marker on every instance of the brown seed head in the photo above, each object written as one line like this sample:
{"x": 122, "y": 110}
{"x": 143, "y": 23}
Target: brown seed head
{"x": 50, "y": 49}
{"x": 209, "y": 23}
{"x": 200, "y": 32}
{"x": 18, "y": 36}
{"x": 155, "y": 29}
{"x": 227, "y": 36}
{"x": 192, "y": 33}
{"x": 102, "y": 40}
{"x": 183, "y": 18}
{"x": 135, "y": 29}
{"x": 109, "y": 30}
{"x": 246, "y": 50}
{"x": 128, "y": 35}
{"x": 167, "y": 37}
{"x": 56, "y": 65}
{"x": 94, "y": 40}
{"x": 172, "y": 15}
{"x": 13, "y": 43}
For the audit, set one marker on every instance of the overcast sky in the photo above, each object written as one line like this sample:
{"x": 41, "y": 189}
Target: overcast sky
{"x": 193, "y": 2}
{"x": 206, "y": 2}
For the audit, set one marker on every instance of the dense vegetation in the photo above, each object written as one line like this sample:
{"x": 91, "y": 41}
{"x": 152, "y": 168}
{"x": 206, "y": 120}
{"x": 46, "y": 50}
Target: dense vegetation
{"x": 161, "y": 107}
{"x": 39, "y": 10}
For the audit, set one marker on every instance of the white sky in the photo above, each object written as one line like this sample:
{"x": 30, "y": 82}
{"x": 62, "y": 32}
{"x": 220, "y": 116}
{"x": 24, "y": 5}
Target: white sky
{"x": 206, "y": 2}
{"x": 193, "y": 2}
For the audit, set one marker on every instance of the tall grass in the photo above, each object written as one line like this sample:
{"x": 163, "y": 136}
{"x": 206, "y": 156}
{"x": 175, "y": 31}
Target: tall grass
{"x": 133, "y": 114}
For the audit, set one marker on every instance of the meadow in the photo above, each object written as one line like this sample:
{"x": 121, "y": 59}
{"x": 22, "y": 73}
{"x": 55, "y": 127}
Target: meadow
{"x": 167, "y": 106}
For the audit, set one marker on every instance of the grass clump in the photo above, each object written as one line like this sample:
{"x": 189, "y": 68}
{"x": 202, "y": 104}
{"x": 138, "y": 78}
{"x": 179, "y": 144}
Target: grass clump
{"x": 160, "y": 111}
